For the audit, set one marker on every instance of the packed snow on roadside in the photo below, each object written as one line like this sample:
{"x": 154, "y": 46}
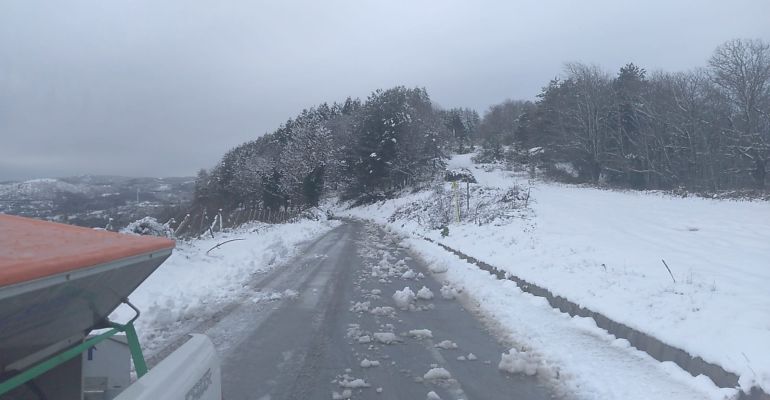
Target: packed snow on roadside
{"x": 192, "y": 285}
{"x": 580, "y": 360}
{"x": 605, "y": 249}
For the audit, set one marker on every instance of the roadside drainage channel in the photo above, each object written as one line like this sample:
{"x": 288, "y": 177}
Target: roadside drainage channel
{"x": 639, "y": 340}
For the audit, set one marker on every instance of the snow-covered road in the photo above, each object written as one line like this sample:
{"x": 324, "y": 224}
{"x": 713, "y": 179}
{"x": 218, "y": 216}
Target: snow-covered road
{"x": 336, "y": 331}
{"x": 356, "y": 316}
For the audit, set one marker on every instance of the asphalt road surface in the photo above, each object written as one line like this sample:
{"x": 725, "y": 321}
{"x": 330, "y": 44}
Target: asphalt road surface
{"x": 309, "y": 327}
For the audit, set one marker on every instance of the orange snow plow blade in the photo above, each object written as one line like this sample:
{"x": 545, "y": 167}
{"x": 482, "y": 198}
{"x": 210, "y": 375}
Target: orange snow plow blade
{"x": 58, "y": 282}
{"x": 32, "y": 249}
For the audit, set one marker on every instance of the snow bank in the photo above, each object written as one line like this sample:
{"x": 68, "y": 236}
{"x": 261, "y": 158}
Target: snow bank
{"x": 582, "y": 359}
{"x": 148, "y": 226}
{"x": 191, "y": 286}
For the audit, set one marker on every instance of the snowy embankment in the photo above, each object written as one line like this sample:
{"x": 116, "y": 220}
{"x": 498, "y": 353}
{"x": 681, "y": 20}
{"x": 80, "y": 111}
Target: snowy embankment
{"x": 192, "y": 285}
{"x": 604, "y": 250}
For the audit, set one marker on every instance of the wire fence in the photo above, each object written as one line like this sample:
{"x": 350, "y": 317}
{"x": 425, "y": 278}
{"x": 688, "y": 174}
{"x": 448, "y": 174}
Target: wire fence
{"x": 207, "y": 223}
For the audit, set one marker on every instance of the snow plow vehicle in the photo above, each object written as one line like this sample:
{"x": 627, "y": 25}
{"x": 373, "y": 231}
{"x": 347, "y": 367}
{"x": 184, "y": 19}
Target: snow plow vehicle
{"x": 58, "y": 286}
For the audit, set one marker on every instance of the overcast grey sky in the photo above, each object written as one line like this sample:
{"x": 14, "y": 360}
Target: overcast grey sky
{"x": 163, "y": 88}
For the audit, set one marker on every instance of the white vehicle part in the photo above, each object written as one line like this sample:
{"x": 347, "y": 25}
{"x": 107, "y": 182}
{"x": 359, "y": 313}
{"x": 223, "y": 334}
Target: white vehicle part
{"x": 192, "y": 372}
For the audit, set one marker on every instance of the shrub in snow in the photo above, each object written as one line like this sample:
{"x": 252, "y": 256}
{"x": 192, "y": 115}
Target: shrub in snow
{"x": 404, "y": 298}
{"x": 444, "y": 231}
{"x": 488, "y": 155}
{"x": 149, "y": 226}
{"x": 459, "y": 175}
{"x": 486, "y": 205}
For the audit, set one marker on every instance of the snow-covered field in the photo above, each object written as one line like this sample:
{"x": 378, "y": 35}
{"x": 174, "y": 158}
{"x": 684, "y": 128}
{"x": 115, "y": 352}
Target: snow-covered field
{"x": 192, "y": 285}
{"x": 604, "y": 250}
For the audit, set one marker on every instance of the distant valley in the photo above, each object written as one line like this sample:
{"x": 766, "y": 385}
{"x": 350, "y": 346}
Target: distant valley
{"x": 92, "y": 200}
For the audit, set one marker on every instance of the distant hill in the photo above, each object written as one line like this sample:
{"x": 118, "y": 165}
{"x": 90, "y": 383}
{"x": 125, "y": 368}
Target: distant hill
{"x": 91, "y": 200}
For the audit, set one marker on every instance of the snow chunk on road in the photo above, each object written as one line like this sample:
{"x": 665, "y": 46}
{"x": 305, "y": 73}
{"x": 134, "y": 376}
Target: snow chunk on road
{"x": 364, "y": 339}
{"x": 472, "y": 357}
{"x": 424, "y": 294}
{"x": 410, "y": 274}
{"x": 366, "y": 363}
{"x": 421, "y": 333}
{"x": 517, "y": 362}
{"x": 360, "y": 306}
{"x": 353, "y": 383}
{"x": 346, "y": 394}
{"x": 446, "y": 345}
{"x": 274, "y": 296}
{"x": 436, "y": 373}
{"x": 449, "y": 292}
{"x": 382, "y": 311}
{"x": 404, "y": 298}
{"x": 433, "y": 396}
{"x": 385, "y": 337}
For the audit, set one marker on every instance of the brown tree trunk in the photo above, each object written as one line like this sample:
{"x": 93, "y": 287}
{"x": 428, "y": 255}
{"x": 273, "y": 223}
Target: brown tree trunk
{"x": 759, "y": 172}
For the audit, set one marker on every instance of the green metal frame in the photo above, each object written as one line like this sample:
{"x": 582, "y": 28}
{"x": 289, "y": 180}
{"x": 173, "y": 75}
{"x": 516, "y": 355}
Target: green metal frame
{"x": 46, "y": 365}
